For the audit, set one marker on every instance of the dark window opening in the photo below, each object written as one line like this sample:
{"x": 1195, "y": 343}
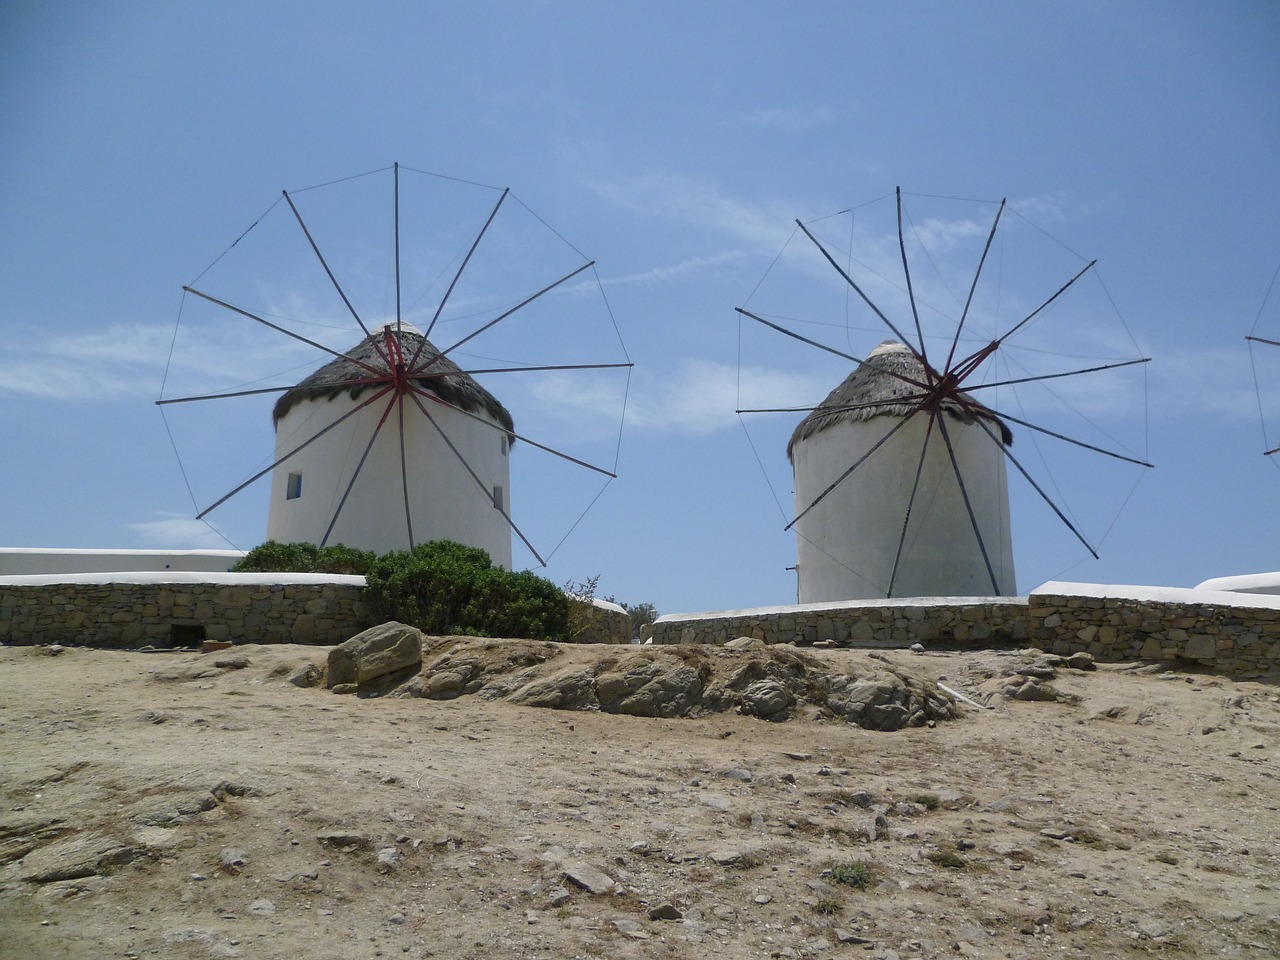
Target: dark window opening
{"x": 293, "y": 490}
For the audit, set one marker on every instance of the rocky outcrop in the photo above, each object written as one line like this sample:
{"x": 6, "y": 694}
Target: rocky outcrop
{"x": 388, "y": 650}
{"x": 772, "y": 683}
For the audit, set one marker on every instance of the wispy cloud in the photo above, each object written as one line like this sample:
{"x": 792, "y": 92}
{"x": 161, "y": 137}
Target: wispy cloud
{"x": 120, "y": 361}
{"x": 693, "y": 397}
{"x": 790, "y": 119}
{"x": 701, "y": 203}
{"x": 1216, "y": 382}
{"x": 689, "y": 267}
{"x": 128, "y": 361}
{"x": 175, "y": 532}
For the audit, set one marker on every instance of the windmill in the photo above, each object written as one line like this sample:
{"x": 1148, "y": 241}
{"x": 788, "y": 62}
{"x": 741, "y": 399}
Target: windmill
{"x": 394, "y": 440}
{"x": 1254, "y": 361}
{"x": 901, "y": 472}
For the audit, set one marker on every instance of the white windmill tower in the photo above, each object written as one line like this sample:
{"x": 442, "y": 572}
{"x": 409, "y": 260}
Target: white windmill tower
{"x": 395, "y": 442}
{"x": 900, "y": 474}
{"x": 457, "y": 432}
{"x": 904, "y": 523}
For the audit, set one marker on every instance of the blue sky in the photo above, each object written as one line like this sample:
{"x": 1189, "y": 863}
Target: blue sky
{"x": 675, "y": 144}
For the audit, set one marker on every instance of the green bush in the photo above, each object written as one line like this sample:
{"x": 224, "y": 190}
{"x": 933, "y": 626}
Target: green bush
{"x": 440, "y": 587}
{"x": 444, "y": 587}
{"x": 854, "y": 873}
{"x": 273, "y": 557}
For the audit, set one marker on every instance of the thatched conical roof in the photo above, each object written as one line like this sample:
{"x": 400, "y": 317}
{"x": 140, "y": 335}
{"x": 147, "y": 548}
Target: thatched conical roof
{"x": 444, "y": 378}
{"x": 873, "y": 390}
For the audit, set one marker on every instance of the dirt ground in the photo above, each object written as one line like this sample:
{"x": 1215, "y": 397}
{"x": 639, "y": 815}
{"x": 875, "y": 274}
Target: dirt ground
{"x": 157, "y": 805}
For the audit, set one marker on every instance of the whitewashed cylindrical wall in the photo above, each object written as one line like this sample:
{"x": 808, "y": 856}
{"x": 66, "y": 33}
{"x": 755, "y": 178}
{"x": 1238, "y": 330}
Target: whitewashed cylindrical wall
{"x": 848, "y": 544}
{"x": 445, "y": 501}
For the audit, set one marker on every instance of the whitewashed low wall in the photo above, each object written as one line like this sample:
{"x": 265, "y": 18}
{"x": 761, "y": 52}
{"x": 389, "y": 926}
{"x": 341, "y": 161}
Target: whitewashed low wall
{"x": 1235, "y": 634}
{"x": 165, "y": 610}
{"x": 980, "y": 621}
{"x": 38, "y": 561}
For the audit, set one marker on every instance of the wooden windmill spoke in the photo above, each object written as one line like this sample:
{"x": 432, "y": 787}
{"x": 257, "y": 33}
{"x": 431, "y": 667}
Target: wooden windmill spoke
{"x": 462, "y": 267}
{"x": 395, "y": 205}
{"x": 964, "y": 315}
{"x": 404, "y": 470}
{"x": 1028, "y": 318}
{"x": 279, "y": 329}
{"x": 1056, "y": 376}
{"x": 1274, "y": 343}
{"x": 496, "y": 320}
{"x": 865, "y": 299}
{"x": 1062, "y": 436}
{"x": 915, "y": 487}
{"x": 306, "y": 443}
{"x": 355, "y": 382}
{"x": 224, "y": 396}
{"x": 474, "y": 476}
{"x": 320, "y": 256}
{"x": 968, "y": 506}
{"x": 822, "y": 346}
{"x": 911, "y": 294}
{"x": 1044, "y": 496}
{"x": 428, "y": 395}
{"x": 324, "y": 541}
{"x": 857, "y": 463}
{"x": 544, "y": 367}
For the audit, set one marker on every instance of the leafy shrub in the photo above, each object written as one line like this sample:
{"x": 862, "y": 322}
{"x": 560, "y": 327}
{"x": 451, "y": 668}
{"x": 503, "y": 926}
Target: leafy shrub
{"x": 585, "y": 619}
{"x": 274, "y": 557}
{"x": 445, "y": 587}
{"x": 854, "y": 873}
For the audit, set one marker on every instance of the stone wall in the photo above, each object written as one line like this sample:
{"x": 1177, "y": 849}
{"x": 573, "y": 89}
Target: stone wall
{"x": 988, "y": 621}
{"x": 597, "y": 621}
{"x": 183, "y": 610}
{"x": 1234, "y": 634}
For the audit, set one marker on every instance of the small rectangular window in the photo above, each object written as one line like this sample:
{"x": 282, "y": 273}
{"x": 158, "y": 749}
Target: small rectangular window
{"x": 497, "y": 498}
{"x": 293, "y": 489}
{"x": 504, "y": 444}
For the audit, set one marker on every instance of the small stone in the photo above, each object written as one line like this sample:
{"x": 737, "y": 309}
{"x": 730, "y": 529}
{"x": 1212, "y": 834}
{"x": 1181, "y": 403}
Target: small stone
{"x": 665, "y": 911}
{"x": 630, "y": 927}
{"x": 232, "y": 859}
{"x": 739, "y": 773}
{"x": 589, "y": 878}
{"x": 558, "y": 896}
{"x": 396, "y": 918}
{"x": 796, "y": 755}
{"x": 263, "y": 908}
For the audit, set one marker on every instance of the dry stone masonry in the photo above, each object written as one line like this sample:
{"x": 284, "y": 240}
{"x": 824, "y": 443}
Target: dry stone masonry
{"x": 184, "y": 610}
{"x": 984, "y": 622}
{"x": 1235, "y": 634}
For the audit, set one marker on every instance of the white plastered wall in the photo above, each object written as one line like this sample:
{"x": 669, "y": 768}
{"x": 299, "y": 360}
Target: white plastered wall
{"x": 846, "y": 545}
{"x": 444, "y": 501}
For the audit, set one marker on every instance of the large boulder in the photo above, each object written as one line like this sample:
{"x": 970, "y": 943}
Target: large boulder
{"x": 381, "y": 651}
